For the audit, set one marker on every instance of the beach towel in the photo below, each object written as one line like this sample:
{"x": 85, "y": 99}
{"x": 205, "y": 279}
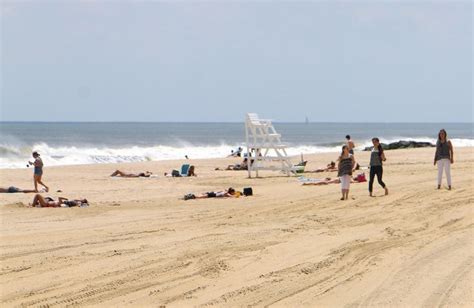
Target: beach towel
{"x": 303, "y": 179}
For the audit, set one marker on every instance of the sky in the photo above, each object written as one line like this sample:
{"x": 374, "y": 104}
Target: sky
{"x": 351, "y": 61}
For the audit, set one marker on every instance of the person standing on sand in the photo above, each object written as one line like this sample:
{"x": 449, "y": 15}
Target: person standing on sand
{"x": 345, "y": 165}
{"x": 350, "y": 144}
{"x": 38, "y": 171}
{"x": 377, "y": 156}
{"x": 444, "y": 157}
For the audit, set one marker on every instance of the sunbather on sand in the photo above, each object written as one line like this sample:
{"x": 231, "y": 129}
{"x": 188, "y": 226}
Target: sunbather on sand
{"x": 119, "y": 173}
{"x": 13, "y": 189}
{"x": 241, "y": 166}
{"x": 39, "y": 201}
{"x": 218, "y": 194}
{"x": 357, "y": 179}
{"x": 326, "y": 181}
{"x": 330, "y": 167}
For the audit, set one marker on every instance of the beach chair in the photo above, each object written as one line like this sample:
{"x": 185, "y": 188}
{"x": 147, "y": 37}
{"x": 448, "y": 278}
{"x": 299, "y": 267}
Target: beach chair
{"x": 185, "y": 170}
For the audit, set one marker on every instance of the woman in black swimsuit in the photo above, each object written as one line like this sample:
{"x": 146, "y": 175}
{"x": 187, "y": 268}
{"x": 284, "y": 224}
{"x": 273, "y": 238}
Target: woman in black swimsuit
{"x": 119, "y": 173}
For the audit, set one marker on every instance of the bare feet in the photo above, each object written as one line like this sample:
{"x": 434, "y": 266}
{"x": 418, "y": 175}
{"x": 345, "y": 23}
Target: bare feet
{"x": 449, "y": 187}
{"x": 342, "y": 199}
{"x": 439, "y": 186}
{"x": 386, "y": 191}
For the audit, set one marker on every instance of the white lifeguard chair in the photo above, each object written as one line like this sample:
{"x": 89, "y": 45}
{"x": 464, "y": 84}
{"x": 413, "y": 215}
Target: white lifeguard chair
{"x": 265, "y": 151}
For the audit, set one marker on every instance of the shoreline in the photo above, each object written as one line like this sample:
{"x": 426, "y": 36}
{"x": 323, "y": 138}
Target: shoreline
{"x": 359, "y": 149}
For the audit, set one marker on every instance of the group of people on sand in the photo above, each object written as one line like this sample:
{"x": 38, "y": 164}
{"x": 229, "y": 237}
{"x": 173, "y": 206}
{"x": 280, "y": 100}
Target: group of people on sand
{"x": 37, "y": 177}
{"x": 148, "y": 174}
{"x": 38, "y": 199}
{"x": 346, "y": 164}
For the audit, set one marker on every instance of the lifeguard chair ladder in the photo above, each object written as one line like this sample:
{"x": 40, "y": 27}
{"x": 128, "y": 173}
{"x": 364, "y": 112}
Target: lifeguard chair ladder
{"x": 264, "y": 147}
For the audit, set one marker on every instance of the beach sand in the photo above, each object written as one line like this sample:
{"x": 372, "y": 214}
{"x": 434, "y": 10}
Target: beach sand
{"x": 288, "y": 245}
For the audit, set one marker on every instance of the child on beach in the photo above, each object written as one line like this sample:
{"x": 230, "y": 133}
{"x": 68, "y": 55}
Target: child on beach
{"x": 377, "y": 156}
{"x": 444, "y": 157}
{"x": 345, "y": 165}
{"x": 38, "y": 171}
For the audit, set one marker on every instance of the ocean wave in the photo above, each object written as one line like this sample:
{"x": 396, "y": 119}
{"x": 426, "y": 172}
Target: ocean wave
{"x": 457, "y": 142}
{"x": 17, "y": 156}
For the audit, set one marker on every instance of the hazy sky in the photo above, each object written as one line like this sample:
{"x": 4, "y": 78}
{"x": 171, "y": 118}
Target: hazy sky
{"x": 124, "y": 60}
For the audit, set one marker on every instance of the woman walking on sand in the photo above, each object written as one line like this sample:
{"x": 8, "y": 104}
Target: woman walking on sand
{"x": 38, "y": 171}
{"x": 377, "y": 156}
{"x": 444, "y": 157}
{"x": 345, "y": 165}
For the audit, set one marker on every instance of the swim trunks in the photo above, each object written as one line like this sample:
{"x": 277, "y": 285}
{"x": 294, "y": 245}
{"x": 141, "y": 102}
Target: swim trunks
{"x": 13, "y": 189}
{"x": 38, "y": 171}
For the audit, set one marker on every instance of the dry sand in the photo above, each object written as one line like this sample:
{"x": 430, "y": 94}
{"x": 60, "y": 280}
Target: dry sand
{"x": 289, "y": 245}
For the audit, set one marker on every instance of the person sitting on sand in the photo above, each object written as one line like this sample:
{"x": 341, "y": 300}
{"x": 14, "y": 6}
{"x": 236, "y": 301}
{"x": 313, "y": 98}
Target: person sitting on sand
{"x": 357, "y": 167}
{"x": 119, "y": 173}
{"x": 13, "y": 189}
{"x": 177, "y": 174}
{"x": 330, "y": 167}
{"x": 241, "y": 166}
{"x": 39, "y": 201}
{"x": 218, "y": 194}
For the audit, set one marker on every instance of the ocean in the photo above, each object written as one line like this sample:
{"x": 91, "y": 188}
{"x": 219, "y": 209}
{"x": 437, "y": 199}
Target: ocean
{"x": 93, "y": 143}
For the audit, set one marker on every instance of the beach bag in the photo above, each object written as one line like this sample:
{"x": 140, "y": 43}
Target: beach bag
{"x": 175, "y": 173}
{"x": 248, "y": 191}
{"x": 361, "y": 178}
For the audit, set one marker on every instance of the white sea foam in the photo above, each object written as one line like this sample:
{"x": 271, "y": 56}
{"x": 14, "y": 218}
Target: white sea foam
{"x": 455, "y": 141}
{"x": 17, "y": 156}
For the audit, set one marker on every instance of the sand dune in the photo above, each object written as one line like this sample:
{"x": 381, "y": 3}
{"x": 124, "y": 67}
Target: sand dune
{"x": 289, "y": 245}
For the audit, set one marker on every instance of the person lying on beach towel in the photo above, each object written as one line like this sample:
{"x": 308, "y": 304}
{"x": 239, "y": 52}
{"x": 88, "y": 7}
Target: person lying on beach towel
{"x": 218, "y": 194}
{"x": 360, "y": 178}
{"x": 324, "y": 181}
{"x": 329, "y": 167}
{"x": 119, "y": 173}
{"x": 39, "y": 201}
{"x": 332, "y": 167}
{"x": 13, "y": 189}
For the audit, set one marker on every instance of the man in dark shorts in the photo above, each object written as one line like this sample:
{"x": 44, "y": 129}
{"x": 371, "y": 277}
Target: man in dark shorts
{"x": 13, "y": 189}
